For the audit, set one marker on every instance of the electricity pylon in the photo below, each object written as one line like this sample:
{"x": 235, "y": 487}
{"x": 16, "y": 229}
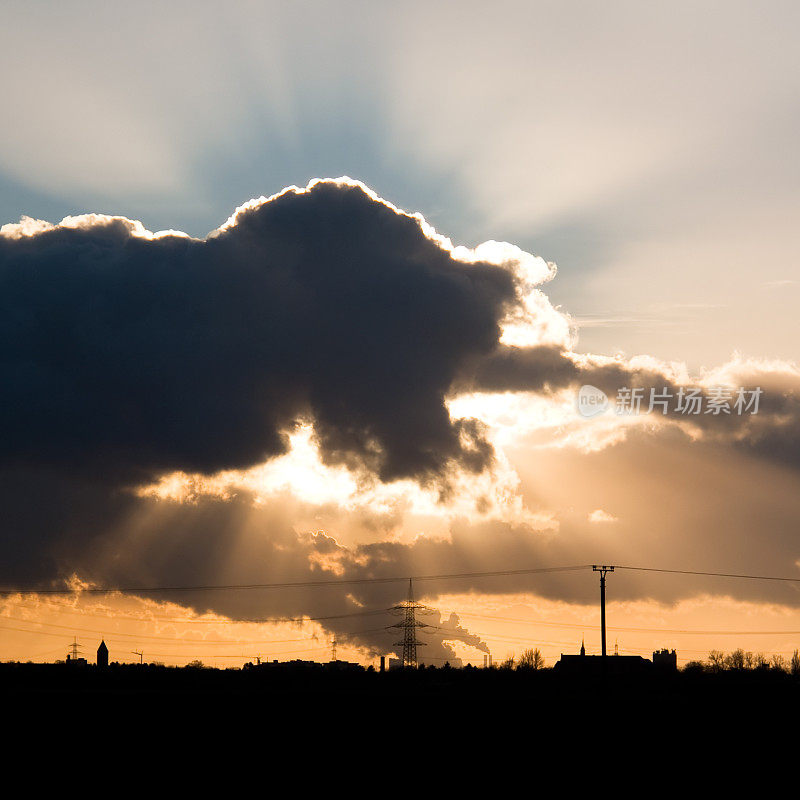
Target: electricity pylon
{"x": 409, "y": 626}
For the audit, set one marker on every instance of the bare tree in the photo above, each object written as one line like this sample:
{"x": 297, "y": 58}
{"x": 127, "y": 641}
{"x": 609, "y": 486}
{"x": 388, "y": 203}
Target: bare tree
{"x": 531, "y": 658}
{"x": 717, "y": 660}
{"x": 737, "y": 659}
{"x": 795, "y": 665}
{"x": 746, "y": 660}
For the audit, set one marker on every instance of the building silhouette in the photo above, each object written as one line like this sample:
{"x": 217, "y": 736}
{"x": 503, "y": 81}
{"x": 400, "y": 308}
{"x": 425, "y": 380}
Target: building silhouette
{"x": 598, "y": 665}
{"x": 665, "y": 659}
{"x": 102, "y": 655}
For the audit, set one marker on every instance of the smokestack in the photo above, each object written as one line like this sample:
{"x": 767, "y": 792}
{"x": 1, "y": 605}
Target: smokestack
{"x": 485, "y": 661}
{"x": 383, "y": 663}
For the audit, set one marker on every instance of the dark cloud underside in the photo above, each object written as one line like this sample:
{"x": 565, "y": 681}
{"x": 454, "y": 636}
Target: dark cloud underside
{"x": 132, "y": 356}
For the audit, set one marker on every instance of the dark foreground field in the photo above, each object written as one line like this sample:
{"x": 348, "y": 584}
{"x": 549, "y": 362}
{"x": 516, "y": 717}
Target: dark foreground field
{"x": 493, "y": 694}
{"x": 482, "y": 730}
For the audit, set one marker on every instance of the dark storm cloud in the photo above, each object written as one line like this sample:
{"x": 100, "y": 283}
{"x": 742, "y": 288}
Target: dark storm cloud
{"x": 773, "y": 432}
{"x": 132, "y": 356}
{"x": 549, "y": 368}
{"x": 125, "y": 356}
{"x": 524, "y": 369}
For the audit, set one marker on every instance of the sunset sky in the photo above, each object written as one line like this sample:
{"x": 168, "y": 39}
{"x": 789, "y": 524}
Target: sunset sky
{"x": 304, "y": 293}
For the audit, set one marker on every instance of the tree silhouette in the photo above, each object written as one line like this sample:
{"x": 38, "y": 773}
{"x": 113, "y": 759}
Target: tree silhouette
{"x": 778, "y": 662}
{"x": 740, "y": 660}
{"x": 531, "y": 658}
{"x": 717, "y": 661}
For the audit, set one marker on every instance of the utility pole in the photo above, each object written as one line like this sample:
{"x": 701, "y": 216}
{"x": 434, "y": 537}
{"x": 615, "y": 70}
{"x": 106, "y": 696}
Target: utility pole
{"x": 138, "y": 653}
{"x": 602, "y": 570}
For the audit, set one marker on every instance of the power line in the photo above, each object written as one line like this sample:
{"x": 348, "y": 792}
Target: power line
{"x": 290, "y": 584}
{"x": 512, "y": 640}
{"x": 444, "y": 631}
{"x": 712, "y": 574}
{"x": 155, "y": 637}
{"x": 155, "y": 618}
{"x": 622, "y": 629}
{"x": 272, "y": 620}
{"x": 172, "y": 639}
{"x": 378, "y": 580}
{"x": 409, "y": 626}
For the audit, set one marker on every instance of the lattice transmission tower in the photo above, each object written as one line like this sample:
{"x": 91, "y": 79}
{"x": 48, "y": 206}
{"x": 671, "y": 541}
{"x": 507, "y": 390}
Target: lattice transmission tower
{"x": 410, "y": 625}
{"x": 74, "y": 650}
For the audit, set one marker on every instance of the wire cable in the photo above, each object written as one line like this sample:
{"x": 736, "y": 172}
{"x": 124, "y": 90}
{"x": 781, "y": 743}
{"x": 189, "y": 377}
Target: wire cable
{"x": 291, "y": 584}
{"x": 710, "y": 574}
